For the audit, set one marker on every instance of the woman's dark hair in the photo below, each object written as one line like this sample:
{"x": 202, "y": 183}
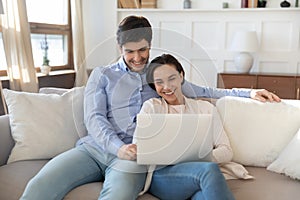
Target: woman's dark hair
{"x": 134, "y": 29}
{"x": 164, "y": 59}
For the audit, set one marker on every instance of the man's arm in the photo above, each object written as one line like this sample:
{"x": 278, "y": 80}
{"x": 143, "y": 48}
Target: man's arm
{"x": 95, "y": 114}
{"x": 193, "y": 91}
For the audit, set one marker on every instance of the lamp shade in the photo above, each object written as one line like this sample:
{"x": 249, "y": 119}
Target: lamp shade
{"x": 245, "y": 41}
{"x": 1, "y": 7}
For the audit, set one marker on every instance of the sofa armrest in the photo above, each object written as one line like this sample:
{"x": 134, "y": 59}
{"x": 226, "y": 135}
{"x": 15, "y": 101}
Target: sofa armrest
{"x": 6, "y": 140}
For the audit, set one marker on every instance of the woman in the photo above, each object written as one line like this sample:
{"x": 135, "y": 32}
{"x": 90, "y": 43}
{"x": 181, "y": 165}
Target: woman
{"x": 196, "y": 180}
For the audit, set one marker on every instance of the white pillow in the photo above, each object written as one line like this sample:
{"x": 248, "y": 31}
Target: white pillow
{"x": 77, "y": 106}
{"x": 53, "y": 90}
{"x": 44, "y": 125}
{"x": 258, "y": 131}
{"x": 288, "y": 162}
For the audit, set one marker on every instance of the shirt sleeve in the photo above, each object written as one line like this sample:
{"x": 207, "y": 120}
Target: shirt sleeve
{"x": 193, "y": 91}
{"x": 95, "y": 113}
{"x": 148, "y": 107}
{"x": 222, "y": 151}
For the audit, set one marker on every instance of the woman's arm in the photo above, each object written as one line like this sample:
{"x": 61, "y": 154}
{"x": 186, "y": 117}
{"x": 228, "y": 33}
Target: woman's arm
{"x": 222, "y": 151}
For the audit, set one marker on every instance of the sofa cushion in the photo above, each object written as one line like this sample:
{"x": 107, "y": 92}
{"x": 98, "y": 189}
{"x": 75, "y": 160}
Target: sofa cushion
{"x": 91, "y": 191}
{"x": 288, "y": 162}
{"x": 266, "y": 186}
{"x": 258, "y": 131}
{"x": 44, "y": 125}
{"x": 15, "y": 176}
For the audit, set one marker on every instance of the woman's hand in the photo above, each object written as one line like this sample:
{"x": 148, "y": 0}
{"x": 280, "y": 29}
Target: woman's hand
{"x": 264, "y": 95}
{"x": 127, "y": 152}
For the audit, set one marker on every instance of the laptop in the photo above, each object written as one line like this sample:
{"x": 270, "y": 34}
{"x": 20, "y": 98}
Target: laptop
{"x": 165, "y": 139}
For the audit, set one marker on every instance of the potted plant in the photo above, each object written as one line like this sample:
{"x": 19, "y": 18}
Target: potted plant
{"x": 261, "y": 3}
{"x": 45, "y": 68}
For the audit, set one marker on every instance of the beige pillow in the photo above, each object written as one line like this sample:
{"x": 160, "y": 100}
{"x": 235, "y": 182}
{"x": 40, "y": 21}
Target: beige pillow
{"x": 44, "y": 125}
{"x": 258, "y": 131}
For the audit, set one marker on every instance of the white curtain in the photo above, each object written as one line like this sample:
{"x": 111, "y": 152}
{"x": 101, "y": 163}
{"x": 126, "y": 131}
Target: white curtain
{"x": 2, "y": 97}
{"x": 78, "y": 43}
{"x": 17, "y": 46}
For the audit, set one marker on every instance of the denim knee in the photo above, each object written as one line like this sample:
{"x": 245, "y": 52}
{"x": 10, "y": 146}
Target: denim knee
{"x": 213, "y": 167}
{"x": 123, "y": 185}
{"x": 38, "y": 188}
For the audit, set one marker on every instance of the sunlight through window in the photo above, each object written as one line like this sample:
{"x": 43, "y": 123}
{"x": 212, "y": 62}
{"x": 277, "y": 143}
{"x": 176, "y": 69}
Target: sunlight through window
{"x": 47, "y": 11}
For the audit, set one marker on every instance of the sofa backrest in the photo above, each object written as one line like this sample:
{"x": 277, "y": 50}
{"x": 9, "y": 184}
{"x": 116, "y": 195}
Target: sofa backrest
{"x": 6, "y": 141}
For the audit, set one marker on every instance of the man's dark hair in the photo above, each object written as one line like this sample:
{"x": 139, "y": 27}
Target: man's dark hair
{"x": 164, "y": 59}
{"x": 134, "y": 29}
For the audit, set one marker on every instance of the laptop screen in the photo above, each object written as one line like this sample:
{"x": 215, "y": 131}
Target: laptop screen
{"x": 165, "y": 139}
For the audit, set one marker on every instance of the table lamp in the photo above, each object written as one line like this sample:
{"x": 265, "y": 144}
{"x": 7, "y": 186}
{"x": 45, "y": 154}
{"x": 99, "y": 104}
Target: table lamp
{"x": 244, "y": 42}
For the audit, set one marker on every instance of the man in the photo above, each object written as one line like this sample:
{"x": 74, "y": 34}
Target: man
{"x": 113, "y": 97}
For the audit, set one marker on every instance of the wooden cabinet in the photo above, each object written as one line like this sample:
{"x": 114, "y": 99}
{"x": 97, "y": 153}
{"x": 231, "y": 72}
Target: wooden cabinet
{"x": 236, "y": 81}
{"x": 285, "y": 86}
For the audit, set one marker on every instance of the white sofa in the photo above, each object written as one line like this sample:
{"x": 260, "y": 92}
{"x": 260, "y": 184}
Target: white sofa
{"x": 263, "y": 137}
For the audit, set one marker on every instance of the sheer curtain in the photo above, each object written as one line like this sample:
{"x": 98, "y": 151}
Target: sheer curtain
{"x": 2, "y": 97}
{"x": 78, "y": 43}
{"x": 17, "y": 46}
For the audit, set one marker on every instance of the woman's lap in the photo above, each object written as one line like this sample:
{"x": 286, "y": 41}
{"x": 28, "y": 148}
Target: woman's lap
{"x": 186, "y": 180}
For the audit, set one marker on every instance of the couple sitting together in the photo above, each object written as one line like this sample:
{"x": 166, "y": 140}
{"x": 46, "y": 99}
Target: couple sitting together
{"x": 114, "y": 95}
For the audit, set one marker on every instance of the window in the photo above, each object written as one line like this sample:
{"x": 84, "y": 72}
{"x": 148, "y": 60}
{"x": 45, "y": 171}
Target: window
{"x": 50, "y": 20}
{"x": 54, "y": 25}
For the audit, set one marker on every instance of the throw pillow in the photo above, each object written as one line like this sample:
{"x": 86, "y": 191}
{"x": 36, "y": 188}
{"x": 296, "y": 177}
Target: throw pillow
{"x": 77, "y": 107}
{"x": 43, "y": 125}
{"x": 258, "y": 131}
{"x": 288, "y": 162}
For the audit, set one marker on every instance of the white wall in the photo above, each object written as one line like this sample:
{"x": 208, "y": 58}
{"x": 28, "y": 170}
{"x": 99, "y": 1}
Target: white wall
{"x": 207, "y": 25}
{"x": 99, "y": 26}
{"x": 201, "y": 39}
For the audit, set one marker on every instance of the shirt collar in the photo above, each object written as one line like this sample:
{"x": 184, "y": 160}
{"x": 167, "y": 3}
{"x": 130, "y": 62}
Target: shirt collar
{"x": 122, "y": 64}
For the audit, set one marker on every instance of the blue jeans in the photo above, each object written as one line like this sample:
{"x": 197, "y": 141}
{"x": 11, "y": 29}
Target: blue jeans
{"x": 195, "y": 180}
{"x": 123, "y": 179}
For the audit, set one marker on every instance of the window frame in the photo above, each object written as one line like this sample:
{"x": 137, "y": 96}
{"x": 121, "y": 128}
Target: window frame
{"x": 54, "y": 29}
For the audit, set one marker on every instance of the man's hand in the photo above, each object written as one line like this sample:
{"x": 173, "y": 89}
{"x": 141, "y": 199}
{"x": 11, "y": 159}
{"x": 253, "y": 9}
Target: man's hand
{"x": 127, "y": 152}
{"x": 264, "y": 95}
